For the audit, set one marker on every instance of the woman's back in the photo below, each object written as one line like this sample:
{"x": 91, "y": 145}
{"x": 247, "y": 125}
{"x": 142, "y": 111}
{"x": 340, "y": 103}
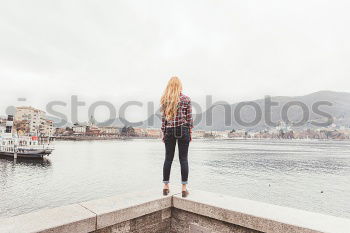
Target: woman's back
{"x": 183, "y": 114}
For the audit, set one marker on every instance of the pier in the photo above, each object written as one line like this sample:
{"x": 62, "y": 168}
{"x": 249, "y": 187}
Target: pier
{"x": 149, "y": 211}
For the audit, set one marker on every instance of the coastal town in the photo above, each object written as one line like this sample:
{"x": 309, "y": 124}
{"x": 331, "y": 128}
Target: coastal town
{"x": 29, "y": 121}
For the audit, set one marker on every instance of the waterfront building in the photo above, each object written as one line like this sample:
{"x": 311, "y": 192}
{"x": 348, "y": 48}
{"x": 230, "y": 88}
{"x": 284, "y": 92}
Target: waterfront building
{"x": 22, "y": 127}
{"x": 79, "y": 129}
{"x": 220, "y": 134}
{"x": 32, "y": 121}
{"x": 32, "y": 116}
{"x": 2, "y": 126}
{"x": 48, "y": 128}
{"x": 156, "y": 133}
{"x": 92, "y": 130}
{"x": 2, "y": 129}
{"x": 236, "y": 134}
{"x": 140, "y": 132}
{"x": 59, "y": 131}
{"x": 109, "y": 130}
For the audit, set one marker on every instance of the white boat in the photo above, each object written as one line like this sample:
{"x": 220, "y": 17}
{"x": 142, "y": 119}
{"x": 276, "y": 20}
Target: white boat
{"x": 23, "y": 146}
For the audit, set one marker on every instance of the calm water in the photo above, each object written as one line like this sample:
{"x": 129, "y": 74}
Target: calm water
{"x": 288, "y": 173}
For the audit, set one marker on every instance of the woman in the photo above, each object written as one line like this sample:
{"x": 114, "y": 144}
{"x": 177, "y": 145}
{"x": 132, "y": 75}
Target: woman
{"x": 177, "y": 126}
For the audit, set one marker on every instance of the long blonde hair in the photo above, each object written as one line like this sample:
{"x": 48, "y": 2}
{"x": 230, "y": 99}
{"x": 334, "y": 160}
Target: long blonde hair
{"x": 171, "y": 98}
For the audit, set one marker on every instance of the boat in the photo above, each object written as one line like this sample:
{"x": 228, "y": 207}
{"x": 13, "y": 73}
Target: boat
{"x": 23, "y": 146}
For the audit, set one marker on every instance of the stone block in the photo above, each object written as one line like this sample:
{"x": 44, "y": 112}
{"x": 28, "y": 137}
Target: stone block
{"x": 120, "y": 208}
{"x": 259, "y": 216}
{"x": 71, "y": 218}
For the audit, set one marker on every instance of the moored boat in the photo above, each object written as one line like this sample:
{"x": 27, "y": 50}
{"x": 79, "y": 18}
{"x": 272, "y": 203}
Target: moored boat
{"x": 23, "y": 146}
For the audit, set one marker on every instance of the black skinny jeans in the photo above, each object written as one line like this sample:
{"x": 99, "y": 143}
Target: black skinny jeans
{"x": 181, "y": 134}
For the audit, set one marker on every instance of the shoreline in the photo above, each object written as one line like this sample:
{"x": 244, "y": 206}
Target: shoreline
{"x": 204, "y": 139}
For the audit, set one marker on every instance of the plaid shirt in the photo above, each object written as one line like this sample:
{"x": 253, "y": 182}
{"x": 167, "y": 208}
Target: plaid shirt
{"x": 183, "y": 116}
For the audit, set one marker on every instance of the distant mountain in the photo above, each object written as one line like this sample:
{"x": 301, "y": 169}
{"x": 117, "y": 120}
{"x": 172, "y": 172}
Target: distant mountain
{"x": 339, "y": 110}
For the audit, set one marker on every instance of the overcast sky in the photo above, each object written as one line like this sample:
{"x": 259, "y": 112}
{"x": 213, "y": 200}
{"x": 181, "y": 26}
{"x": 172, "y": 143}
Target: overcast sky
{"x": 127, "y": 50}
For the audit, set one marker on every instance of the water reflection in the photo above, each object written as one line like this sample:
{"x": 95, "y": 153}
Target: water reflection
{"x": 10, "y": 167}
{"x": 45, "y": 162}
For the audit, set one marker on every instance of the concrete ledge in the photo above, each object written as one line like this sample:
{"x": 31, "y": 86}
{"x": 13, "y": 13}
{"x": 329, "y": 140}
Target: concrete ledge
{"x": 259, "y": 216}
{"x": 71, "y": 218}
{"x": 151, "y": 212}
{"x": 117, "y": 209}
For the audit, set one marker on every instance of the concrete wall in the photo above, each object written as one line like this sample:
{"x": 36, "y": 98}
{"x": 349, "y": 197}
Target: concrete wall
{"x": 187, "y": 222}
{"x": 150, "y": 212}
{"x": 156, "y": 222}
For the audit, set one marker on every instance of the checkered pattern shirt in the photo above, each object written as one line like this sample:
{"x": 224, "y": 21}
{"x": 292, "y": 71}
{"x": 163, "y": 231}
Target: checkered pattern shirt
{"x": 183, "y": 116}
